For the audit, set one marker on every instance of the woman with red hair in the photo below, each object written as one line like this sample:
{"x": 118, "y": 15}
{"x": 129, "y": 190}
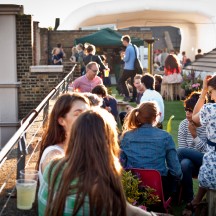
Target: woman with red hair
{"x": 172, "y": 70}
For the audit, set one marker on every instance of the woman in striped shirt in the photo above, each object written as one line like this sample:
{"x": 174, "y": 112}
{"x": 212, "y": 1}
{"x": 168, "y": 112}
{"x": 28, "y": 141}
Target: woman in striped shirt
{"x": 192, "y": 146}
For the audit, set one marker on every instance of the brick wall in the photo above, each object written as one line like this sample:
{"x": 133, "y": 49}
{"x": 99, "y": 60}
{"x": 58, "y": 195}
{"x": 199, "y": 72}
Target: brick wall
{"x": 24, "y": 61}
{"x": 49, "y": 39}
{"x": 34, "y": 85}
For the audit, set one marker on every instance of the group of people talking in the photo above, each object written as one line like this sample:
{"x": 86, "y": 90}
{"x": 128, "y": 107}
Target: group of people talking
{"x": 82, "y": 154}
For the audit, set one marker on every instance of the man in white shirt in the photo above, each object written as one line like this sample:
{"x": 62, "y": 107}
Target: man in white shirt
{"x": 150, "y": 94}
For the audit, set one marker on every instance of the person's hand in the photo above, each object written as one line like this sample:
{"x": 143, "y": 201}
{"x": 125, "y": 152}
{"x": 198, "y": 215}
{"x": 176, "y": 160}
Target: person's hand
{"x": 205, "y": 83}
{"x": 192, "y": 129}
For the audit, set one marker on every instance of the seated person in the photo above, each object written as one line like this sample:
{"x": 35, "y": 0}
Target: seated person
{"x": 140, "y": 89}
{"x": 150, "y": 94}
{"x": 172, "y": 70}
{"x": 55, "y": 136}
{"x": 109, "y": 102}
{"x": 192, "y": 146}
{"x": 205, "y": 115}
{"x": 88, "y": 81}
{"x": 147, "y": 147}
{"x": 158, "y": 81}
{"x": 87, "y": 181}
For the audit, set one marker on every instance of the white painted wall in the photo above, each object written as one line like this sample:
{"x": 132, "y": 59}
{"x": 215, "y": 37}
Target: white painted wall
{"x": 8, "y": 76}
{"x": 196, "y": 19}
{"x": 8, "y": 49}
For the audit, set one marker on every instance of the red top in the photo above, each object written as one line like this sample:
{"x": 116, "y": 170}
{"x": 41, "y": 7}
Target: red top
{"x": 172, "y": 71}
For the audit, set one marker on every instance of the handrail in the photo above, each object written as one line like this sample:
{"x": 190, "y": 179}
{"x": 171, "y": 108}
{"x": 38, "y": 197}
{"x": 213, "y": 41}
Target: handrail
{"x": 30, "y": 118}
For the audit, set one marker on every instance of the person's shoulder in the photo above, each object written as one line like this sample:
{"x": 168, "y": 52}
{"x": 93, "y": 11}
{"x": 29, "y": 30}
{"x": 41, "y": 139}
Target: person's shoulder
{"x": 209, "y": 106}
{"x": 80, "y": 78}
{"x": 97, "y": 78}
{"x": 183, "y": 124}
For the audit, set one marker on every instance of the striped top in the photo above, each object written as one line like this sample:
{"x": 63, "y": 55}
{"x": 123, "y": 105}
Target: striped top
{"x": 185, "y": 139}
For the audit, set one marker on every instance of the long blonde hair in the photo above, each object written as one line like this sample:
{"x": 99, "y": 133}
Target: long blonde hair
{"x": 92, "y": 159}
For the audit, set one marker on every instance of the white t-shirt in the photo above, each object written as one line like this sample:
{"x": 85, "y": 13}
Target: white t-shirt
{"x": 50, "y": 153}
{"x": 152, "y": 95}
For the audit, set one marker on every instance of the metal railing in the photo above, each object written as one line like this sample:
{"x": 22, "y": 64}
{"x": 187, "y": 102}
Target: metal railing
{"x": 22, "y": 149}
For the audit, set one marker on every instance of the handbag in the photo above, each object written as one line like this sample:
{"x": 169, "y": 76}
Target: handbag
{"x": 137, "y": 64}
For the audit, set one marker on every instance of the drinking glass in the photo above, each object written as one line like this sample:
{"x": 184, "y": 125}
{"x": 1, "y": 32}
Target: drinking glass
{"x": 30, "y": 174}
{"x": 26, "y": 190}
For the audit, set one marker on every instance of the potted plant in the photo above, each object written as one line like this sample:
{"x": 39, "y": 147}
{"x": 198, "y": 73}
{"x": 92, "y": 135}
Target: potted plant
{"x": 143, "y": 197}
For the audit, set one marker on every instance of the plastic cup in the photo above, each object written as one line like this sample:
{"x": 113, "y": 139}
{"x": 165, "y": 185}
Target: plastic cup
{"x": 29, "y": 174}
{"x": 26, "y": 190}
{"x": 106, "y": 73}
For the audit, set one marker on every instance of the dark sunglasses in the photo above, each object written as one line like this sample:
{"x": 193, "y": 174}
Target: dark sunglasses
{"x": 188, "y": 110}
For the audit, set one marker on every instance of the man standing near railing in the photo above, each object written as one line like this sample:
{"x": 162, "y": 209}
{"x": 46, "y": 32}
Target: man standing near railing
{"x": 88, "y": 81}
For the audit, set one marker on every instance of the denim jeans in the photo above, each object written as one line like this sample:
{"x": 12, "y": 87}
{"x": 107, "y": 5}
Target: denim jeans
{"x": 190, "y": 161}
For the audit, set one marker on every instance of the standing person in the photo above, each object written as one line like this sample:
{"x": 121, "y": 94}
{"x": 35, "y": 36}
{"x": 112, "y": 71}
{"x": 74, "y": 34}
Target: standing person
{"x": 164, "y": 55}
{"x": 150, "y": 94}
{"x": 56, "y": 135}
{"x": 140, "y": 90}
{"x": 74, "y": 56}
{"x": 55, "y": 56}
{"x": 184, "y": 59}
{"x": 61, "y": 54}
{"x": 88, "y": 81}
{"x": 191, "y": 147}
{"x": 87, "y": 181}
{"x": 81, "y": 55}
{"x": 129, "y": 71}
{"x": 147, "y": 147}
{"x": 198, "y": 55}
{"x": 90, "y": 56}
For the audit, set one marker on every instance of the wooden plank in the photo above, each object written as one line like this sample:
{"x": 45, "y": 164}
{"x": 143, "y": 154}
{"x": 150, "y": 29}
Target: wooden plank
{"x": 211, "y": 198}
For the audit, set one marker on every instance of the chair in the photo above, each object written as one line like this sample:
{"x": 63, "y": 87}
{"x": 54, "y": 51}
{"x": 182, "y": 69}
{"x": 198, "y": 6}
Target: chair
{"x": 152, "y": 178}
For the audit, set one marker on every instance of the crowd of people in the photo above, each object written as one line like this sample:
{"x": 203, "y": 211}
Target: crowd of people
{"x": 82, "y": 153}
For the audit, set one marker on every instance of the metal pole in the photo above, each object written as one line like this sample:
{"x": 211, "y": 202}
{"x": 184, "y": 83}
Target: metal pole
{"x": 150, "y": 54}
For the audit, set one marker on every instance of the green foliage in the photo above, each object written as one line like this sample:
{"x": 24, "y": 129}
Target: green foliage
{"x": 191, "y": 82}
{"x": 138, "y": 195}
{"x": 131, "y": 186}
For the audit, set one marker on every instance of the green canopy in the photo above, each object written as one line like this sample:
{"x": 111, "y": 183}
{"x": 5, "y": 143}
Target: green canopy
{"x": 106, "y": 37}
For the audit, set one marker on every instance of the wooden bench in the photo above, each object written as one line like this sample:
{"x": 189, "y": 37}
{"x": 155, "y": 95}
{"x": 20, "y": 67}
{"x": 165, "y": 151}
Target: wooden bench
{"x": 171, "y": 91}
{"x": 211, "y": 198}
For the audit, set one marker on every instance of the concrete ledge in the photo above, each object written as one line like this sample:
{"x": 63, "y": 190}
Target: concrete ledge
{"x": 46, "y": 68}
{"x": 11, "y": 9}
{"x": 10, "y": 85}
{"x": 9, "y": 124}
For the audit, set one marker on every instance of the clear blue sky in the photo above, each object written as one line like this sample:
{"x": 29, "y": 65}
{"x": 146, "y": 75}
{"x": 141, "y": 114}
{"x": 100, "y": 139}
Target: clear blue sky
{"x": 45, "y": 11}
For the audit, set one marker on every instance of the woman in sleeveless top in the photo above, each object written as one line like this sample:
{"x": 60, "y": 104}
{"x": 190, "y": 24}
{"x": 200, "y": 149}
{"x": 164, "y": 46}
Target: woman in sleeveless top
{"x": 87, "y": 181}
{"x": 65, "y": 111}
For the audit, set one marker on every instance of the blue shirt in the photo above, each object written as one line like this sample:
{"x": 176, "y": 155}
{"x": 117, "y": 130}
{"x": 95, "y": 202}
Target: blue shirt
{"x": 148, "y": 147}
{"x": 129, "y": 58}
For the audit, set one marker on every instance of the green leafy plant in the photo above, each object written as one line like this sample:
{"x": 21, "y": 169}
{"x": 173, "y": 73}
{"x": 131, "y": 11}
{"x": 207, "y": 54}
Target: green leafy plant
{"x": 135, "y": 194}
{"x": 191, "y": 82}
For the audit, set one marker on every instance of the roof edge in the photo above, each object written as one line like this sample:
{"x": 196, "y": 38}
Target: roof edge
{"x": 10, "y": 9}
